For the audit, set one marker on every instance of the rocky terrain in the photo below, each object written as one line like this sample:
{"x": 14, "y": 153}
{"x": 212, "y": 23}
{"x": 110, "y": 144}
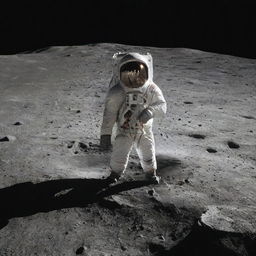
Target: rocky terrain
{"x": 54, "y": 197}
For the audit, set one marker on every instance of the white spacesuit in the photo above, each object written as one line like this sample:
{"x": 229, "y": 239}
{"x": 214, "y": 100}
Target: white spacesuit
{"x": 131, "y": 104}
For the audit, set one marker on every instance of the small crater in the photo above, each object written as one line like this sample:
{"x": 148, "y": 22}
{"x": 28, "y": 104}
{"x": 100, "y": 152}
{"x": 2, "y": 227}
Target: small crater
{"x": 211, "y": 150}
{"x": 83, "y": 147}
{"x": 197, "y": 136}
{"x": 232, "y": 144}
{"x": 123, "y": 248}
{"x": 188, "y": 102}
{"x": 70, "y": 144}
{"x": 4, "y": 139}
{"x": 248, "y": 117}
{"x": 80, "y": 250}
{"x": 17, "y": 123}
{"x": 151, "y": 192}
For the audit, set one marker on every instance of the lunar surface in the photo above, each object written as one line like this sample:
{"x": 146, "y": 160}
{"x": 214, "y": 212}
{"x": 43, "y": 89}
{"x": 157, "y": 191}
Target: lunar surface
{"x": 54, "y": 196}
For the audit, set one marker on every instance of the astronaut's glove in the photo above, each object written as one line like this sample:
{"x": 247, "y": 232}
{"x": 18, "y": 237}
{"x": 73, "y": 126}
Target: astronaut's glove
{"x": 105, "y": 142}
{"x": 145, "y": 115}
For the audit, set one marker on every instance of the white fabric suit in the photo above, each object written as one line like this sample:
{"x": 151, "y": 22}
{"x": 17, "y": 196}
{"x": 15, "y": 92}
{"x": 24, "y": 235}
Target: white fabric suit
{"x": 123, "y": 105}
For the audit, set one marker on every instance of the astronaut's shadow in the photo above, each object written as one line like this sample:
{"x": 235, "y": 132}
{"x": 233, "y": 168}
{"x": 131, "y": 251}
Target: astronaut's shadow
{"x": 27, "y": 198}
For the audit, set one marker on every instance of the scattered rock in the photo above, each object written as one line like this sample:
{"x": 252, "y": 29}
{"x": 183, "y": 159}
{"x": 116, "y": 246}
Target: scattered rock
{"x": 211, "y": 150}
{"x": 197, "y": 136}
{"x": 187, "y": 181}
{"x": 151, "y": 192}
{"x": 180, "y": 182}
{"x": 161, "y": 237}
{"x": 8, "y": 138}
{"x": 232, "y": 144}
{"x": 228, "y": 219}
{"x": 4, "y": 139}
{"x": 248, "y": 117}
{"x": 83, "y": 146}
{"x": 63, "y": 192}
{"x": 18, "y": 123}
{"x": 80, "y": 250}
{"x": 123, "y": 248}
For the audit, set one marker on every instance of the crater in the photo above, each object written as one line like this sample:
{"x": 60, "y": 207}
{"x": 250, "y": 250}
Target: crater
{"x": 233, "y": 144}
{"x": 83, "y": 146}
{"x": 17, "y": 123}
{"x": 4, "y": 139}
{"x": 248, "y": 117}
{"x": 211, "y": 150}
{"x": 197, "y": 136}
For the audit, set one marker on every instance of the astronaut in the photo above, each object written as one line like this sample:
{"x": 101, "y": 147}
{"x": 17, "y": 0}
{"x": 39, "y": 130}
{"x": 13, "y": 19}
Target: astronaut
{"x": 131, "y": 104}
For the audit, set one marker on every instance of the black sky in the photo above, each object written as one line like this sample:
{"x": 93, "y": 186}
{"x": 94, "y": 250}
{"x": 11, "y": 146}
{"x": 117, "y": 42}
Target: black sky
{"x": 218, "y": 26}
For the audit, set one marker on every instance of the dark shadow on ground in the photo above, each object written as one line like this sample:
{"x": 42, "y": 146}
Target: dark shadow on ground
{"x": 27, "y": 198}
{"x": 204, "y": 241}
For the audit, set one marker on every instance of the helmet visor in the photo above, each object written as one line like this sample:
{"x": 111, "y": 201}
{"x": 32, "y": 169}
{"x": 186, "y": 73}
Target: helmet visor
{"x": 134, "y": 74}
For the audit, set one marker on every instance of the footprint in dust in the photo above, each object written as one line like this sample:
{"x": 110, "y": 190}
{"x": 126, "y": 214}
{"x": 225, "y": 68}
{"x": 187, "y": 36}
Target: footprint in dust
{"x": 233, "y": 144}
{"x": 211, "y": 150}
{"x": 197, "y": 136}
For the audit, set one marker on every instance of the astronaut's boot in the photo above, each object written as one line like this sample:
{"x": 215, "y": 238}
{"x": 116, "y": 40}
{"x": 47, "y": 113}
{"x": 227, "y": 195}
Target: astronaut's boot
{"x": 152, "y": 177}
